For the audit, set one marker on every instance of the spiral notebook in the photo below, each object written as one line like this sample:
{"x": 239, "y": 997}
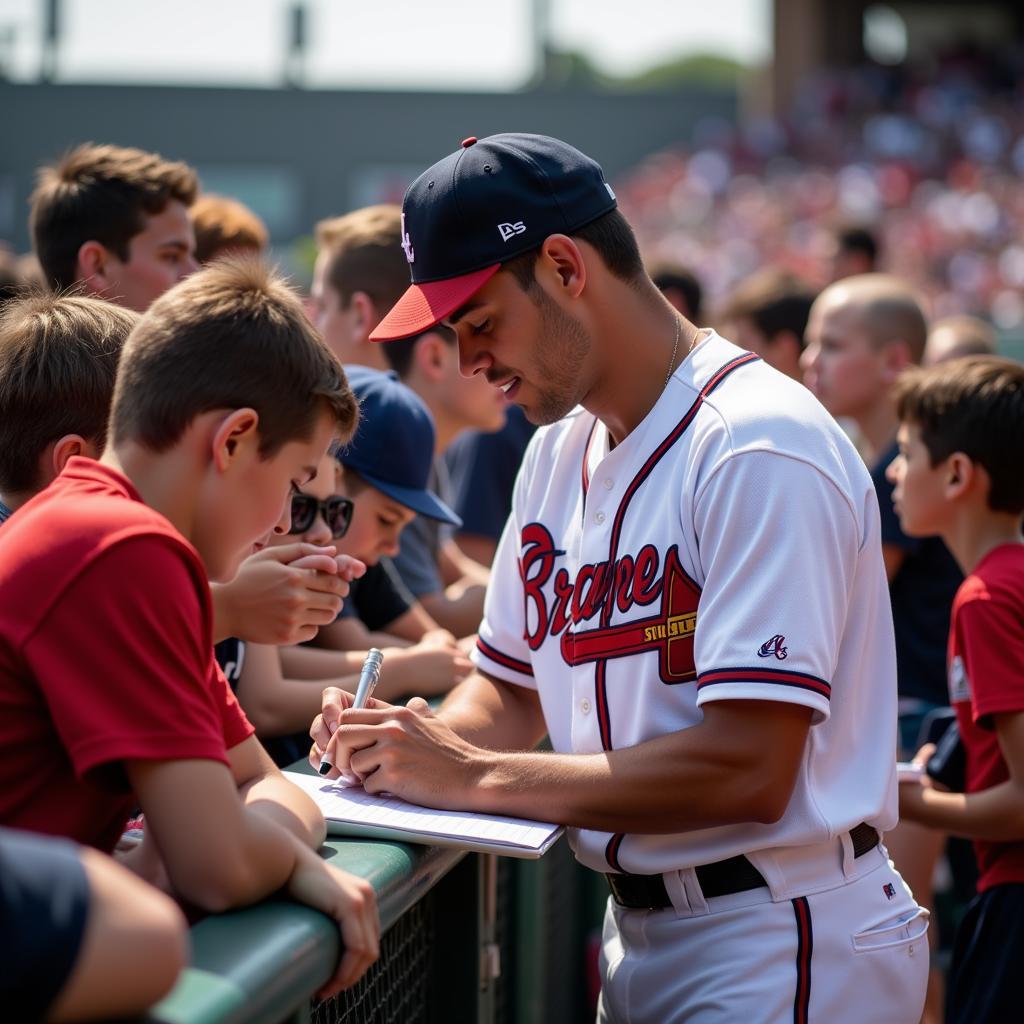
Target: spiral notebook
{"x": 351, "y": 811}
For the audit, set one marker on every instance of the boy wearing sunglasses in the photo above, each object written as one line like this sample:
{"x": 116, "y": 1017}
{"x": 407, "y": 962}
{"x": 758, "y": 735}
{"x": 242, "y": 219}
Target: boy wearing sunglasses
{"x": 384, "y": 471}
{"x": 281, "y": 704}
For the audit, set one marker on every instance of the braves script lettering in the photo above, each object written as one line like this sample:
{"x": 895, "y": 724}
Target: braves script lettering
{"x": 600, "y": 591}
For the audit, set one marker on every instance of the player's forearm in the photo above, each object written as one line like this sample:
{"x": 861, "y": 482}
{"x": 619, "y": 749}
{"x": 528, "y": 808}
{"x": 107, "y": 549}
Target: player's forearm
{"x": 674, "y": 783}
{"x": 994, "y": 815}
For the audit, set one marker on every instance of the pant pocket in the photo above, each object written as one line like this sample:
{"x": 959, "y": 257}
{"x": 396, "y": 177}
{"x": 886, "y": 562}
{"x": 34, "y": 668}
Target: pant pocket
{"x": 904, "y": 930}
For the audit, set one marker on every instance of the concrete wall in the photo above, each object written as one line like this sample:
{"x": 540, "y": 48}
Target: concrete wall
{"x": 297, "y": 156}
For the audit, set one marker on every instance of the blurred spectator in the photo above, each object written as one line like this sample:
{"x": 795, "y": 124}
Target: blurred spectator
{"x": 856, "y": 252}
{"x": 863, "y": 332}
{"x": 767, "y": 314}
{"x": 223, "y": 225}
{"x": 958, "y": 336}
{"x": 10, "y": 279}
{"x": 354, "y": 283}
{"x": 17, "y": 274}
{"x": 681, "y": 287}
{"x": 58, "y": 360}
{"x": 115, "y": 221}
{"x": 928, "y": 157}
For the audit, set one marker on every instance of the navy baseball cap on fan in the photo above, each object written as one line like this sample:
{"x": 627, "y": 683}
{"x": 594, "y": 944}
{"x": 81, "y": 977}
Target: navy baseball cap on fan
{"x": 489, "y": 201}
{"x": 393, "y": 447}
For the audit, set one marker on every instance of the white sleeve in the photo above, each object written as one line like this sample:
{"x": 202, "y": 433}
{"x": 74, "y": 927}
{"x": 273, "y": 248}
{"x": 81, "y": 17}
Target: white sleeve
{"x": 778, "y": 545}
{"x": 501, "y": 648}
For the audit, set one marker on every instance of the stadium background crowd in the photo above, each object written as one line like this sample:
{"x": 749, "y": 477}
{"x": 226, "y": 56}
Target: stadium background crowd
{"x": 916, "y": 174}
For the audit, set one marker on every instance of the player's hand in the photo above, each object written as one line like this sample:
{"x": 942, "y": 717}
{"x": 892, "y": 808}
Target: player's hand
{"x": 333, "y": 701}
{"x": 411, "y": 753}
{"x": 351, "y": 902}
{"x": 282, "y": 595}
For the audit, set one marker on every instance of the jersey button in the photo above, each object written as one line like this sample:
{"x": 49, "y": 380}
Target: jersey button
{"x": 598, "y": 517}
{"x": 609, "y": 483}
{"x": 585, "y": 706}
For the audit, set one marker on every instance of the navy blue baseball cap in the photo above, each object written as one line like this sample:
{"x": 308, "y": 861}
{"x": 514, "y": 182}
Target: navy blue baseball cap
{"x": 489, "y": 201}
{"x": 393, "y": 447}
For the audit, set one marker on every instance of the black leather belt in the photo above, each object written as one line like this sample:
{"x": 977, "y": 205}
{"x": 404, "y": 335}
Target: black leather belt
{"x": 724, "y": 877}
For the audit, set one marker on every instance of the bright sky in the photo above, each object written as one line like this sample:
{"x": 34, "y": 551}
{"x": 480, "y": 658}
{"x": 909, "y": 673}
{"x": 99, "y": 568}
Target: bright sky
{"x": 482, "y": 44}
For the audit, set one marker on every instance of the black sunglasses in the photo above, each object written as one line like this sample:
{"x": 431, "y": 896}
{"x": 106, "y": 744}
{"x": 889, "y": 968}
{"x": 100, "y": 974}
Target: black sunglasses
{"x": 336, "y": 510}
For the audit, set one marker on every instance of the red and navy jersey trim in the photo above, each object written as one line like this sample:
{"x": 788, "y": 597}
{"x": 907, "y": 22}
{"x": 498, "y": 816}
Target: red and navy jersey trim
{"x": 804, "y": 949}
{"x": 611, "y": 851}
{"x": 802, "y": 680}
{"x": 600, "y": 681}
{"x": 500, "y": 658}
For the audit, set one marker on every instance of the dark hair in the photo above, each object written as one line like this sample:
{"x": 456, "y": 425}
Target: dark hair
{"x": 365, "y": 255}
{"x": 858, "y": 239}
{"x": 683, "y": 281}
{"x": 973, "y": 405}
{"x": 224, "y": 225}
{"x": 58, "y": 359}
{"x": 100, "y": 193}
{"x": 775, "y": 300}
{"x": 399, "y": 353}
{"x": 610, "y": 235}
{"x": 233, "y": 335}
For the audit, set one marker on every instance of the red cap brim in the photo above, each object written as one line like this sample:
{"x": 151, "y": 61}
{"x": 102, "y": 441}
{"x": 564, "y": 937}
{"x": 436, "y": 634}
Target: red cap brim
{"x": 424, "y": 305}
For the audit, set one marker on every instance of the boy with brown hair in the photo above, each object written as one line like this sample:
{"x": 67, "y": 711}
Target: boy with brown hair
{"x": 767, "y": 314}
{"x": 354, "y": 282}
{"x": 226, "y": 400}
{"x": 224, "y": 226}
{"x": 114, "y": 220}
{"x": 957, "y": 475}
{"x": 58, "y": 358}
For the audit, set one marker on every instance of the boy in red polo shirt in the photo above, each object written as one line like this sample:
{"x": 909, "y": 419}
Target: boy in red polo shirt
{"x": 958, "y": 476}
{"x": 225, "y": 401}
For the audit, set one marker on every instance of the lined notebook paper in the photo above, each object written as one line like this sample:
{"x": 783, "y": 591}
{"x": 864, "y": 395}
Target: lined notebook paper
{"x": 351, "y": 811}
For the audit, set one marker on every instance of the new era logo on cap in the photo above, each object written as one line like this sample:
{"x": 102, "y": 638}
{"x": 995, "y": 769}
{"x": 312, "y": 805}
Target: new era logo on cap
{"x": 511, "y": 230}
{"x": 451, "y": 215}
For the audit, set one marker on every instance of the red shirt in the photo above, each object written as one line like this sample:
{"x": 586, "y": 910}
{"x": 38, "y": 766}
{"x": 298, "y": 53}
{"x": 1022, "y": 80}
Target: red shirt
{"x": 986, "y": 677}
{"x": 106, "y": 655}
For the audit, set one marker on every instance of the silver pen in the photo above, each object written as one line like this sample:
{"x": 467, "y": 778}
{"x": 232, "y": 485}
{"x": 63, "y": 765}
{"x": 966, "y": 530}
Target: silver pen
{"x": 368, "y": 679}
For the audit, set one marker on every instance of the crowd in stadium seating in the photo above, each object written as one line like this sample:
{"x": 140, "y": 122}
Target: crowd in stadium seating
{"x": 843, "y": 257}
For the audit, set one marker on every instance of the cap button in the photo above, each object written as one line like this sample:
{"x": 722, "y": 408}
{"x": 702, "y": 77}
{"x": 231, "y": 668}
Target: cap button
{"x": 466, "y": 143}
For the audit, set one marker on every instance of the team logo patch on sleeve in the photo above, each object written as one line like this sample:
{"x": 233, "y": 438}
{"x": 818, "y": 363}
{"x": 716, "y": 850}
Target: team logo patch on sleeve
{"x": 776, "y": 646}
{"x": 890, "y": 890}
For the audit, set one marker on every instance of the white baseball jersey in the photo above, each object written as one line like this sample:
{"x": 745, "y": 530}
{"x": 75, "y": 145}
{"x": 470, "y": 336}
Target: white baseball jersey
{"x": 727, "y": 549}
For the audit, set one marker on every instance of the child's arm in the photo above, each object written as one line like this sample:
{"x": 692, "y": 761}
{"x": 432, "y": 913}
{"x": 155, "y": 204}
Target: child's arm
{"x": 222, "y": 852}
{"x": 283, "y": 594}
{"x": 349, "y": 634}
{"x": 278, "y": 703}
{"x": 430, "y": 667}
{"x": 993, "y": 815}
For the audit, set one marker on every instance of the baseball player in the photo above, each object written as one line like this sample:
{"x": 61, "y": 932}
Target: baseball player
{"x": 688, "y": 597}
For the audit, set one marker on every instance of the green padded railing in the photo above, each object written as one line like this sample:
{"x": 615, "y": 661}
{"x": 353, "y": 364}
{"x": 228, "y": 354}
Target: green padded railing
{"x": 263, "y": 963}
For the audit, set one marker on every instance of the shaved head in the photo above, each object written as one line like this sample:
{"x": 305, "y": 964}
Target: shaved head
{"x": 887, "y": 308}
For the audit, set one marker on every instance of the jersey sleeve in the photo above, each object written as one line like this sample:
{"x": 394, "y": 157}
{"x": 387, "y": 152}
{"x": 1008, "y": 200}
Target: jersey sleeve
{"x": 990, "y": 638}
{"x": 778, "y": 546}
{"x": 125, "y": 664}
{"x": 501, "y": 648}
